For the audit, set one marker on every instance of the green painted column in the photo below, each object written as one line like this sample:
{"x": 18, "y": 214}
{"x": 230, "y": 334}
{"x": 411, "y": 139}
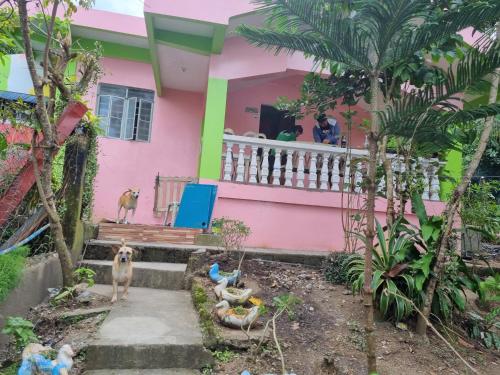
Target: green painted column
{"x": 213, "y": 129}
{"x": 452, "y": 170}
{"x": 4, "y": 72}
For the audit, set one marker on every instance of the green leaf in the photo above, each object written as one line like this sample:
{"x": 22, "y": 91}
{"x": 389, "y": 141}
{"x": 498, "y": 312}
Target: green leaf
{"x": 427, "y": 231}
{"x": 458, "y": 299}
{"x": 418, "y": 205}
{"x": 419, "y": 282}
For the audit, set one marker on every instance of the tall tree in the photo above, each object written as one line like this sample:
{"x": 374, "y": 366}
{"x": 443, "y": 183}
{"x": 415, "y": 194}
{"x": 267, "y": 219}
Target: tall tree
{"x": 56, "y": 54}
{"x": 375, "y": 37}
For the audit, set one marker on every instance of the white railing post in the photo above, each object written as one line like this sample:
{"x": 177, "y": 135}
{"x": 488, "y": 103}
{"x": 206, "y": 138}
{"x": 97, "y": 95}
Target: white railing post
{"x": 358, "y": 177}
{"x": 313, "y": 171}
{"x": 228, "y": 164}
{"x": 300, "y": 169}
{"x": 240, "y": 169}
{"x": 289, "y": 168}
{"x": 435, "y": 188}
{"x": 324, "y": 172}
{"x": 425, "y": 171}
{"x": 335, "y": 173}
{"x": 381, "y": 183}
{"x": 253, "y": 166}
{"x": 265, "y": 165}
{"x": 277, "y": 167}
{"x": 346, "y": 185}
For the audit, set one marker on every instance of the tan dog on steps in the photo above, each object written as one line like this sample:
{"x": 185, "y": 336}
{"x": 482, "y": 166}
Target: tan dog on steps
{"x": 122, "y": 269}
{"x": 127, "y": 201}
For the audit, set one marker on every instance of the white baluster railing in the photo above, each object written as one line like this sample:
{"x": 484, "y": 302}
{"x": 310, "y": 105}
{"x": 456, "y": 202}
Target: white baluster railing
{"x": 309, "y": 165}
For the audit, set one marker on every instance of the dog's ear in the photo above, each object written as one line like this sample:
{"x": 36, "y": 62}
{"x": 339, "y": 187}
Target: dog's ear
{"x": 115, "y": 249}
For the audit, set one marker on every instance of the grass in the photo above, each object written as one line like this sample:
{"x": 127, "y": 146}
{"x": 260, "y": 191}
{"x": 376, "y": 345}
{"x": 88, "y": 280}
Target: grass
{"x": 11, "y": 270}
{"x": 224, "y": 356}
{"x": 203, "y": 306}
{"x": 10, "y": 370}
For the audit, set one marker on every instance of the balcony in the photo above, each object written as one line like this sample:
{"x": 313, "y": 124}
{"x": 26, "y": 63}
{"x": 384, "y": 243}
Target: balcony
{"x": 301, "y": 165}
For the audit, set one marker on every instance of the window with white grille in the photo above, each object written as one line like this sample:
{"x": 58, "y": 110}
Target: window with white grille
{"x": 125, "y": 112}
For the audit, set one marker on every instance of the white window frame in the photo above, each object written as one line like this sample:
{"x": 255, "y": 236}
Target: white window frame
{"x": 125, "y": 115}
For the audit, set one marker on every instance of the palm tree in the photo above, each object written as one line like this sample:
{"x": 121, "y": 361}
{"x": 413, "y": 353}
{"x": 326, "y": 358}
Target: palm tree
{"x": 374, "y": 37}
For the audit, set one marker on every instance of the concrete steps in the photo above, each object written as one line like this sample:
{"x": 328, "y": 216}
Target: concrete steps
{"x": 146, "y": 251}
{"x": 153, "y": 329}
{"x": 144, "y": 371}
{"x": 146, "y": 274}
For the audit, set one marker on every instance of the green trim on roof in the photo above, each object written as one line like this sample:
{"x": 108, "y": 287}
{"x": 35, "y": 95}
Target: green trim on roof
{"x": 204, "y": 45}
{"x": 187, "y": 42}
{"x": 118, "y": 51}
{"x": 4, "y": 72}
{"x": 213, "y": 129}
{"x": 218, "y": 39}
{"x": 153, "y": 53}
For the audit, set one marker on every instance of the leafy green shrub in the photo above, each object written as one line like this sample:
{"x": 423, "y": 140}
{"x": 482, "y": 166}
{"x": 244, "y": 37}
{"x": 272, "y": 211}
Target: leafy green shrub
{"x": 480, "y": 210}
{"x": 233, "y": 233}
{"x": 11, "y": 269}
{"x": 21, "y": 330}
{"x": 84, "y": 275}
{"x": 490, "y": 289}
{"x": 390, "y": 284}
{"x": 336, "y": 267}
{"x": 224, "y": 356}
{"x": 402, "y": 265}
{"x": 485, "y": 329}
{"x": 81, "y": 275}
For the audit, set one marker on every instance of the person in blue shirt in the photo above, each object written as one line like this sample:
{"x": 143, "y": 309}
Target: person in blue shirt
{"x": 326, "y": 130}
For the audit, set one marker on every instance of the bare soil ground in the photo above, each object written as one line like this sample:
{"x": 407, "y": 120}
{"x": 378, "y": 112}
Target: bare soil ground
{"x": 326, "y": 336}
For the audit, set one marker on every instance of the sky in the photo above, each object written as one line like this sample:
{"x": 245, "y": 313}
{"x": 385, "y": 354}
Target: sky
{"x": 130, "y": 7}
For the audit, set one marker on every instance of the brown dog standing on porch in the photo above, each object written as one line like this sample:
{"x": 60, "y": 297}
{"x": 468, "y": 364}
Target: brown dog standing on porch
{"x": 127, "y": 201}
{"x": 122, "y": 269}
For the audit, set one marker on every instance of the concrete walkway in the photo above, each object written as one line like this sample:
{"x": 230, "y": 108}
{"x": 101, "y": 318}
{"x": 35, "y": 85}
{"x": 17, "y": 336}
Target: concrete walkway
{"x": 155, "y": 331}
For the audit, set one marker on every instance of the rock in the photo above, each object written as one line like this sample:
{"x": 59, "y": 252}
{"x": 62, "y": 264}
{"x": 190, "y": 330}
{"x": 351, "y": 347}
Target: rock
{"x": 402, "y": 326}
{"x": 295, "y": 326}
{"x": 311, "y": 309}
{"x": 309, "y": 287}
{"x": 84, "y": 297}
{"x": 332, "y": 288}
{"x": 86, "y": 312}
{"x": 346, "y": 292}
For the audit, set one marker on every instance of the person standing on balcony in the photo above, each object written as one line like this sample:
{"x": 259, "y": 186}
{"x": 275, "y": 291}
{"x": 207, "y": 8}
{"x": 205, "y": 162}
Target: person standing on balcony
{"x": 287, "y": 135}
{"x": 326, "y": 130}
{"x": 290, "y": 135}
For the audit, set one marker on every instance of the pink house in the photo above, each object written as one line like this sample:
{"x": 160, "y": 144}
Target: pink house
{"x": 184, "y": 96}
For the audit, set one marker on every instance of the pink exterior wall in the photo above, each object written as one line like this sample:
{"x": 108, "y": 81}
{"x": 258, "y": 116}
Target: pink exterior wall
{"x": 241, "y": 60}
{"x": 283, "y": 218}
{"x": 173, "y": 150}
{"x": 110, "y": 21}
{"x": 219, "y": 11}
{"x": 240, "y": 97}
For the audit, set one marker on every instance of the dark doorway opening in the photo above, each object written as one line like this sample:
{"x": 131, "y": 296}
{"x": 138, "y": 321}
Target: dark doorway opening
{"x": 273, "y": 121}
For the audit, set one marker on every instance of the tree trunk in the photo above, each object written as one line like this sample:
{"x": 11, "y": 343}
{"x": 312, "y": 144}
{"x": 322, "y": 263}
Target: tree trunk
{"x": 75, "y": 164}
{"x": 452, "y": 207}
{"x": 44, "y": 177}
{"x": 389, "y": 183}
{"x": 370, "y": 227}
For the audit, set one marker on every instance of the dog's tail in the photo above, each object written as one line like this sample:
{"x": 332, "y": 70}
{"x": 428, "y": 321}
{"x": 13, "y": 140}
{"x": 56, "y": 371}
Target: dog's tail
{"x": 123, "y": 242}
